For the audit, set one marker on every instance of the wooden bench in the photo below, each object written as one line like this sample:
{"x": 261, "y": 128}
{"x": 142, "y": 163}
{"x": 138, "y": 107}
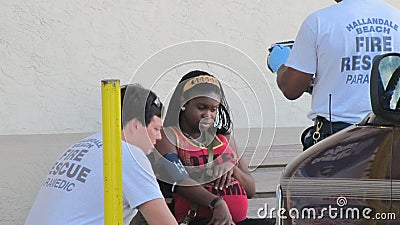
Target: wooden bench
{"x": 266, "y": 165}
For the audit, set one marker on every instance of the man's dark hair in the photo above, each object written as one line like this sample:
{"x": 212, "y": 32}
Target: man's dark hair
{"x": 139, "y": 103}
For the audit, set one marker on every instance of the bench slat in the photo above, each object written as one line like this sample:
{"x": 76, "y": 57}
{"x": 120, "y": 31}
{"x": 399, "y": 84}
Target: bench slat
{"x": 276, "y": 156}
{"x": 266, "y": 179}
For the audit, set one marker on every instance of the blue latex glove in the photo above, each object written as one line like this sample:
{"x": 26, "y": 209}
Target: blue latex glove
{"x": 277, "y": 57}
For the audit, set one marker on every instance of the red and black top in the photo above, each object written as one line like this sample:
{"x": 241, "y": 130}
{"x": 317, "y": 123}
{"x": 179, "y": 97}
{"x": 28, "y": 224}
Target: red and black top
{"x": 196, "y": 157}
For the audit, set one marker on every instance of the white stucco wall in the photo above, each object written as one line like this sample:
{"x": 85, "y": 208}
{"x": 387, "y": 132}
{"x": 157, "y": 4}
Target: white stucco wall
{"x": 54, "y": 54}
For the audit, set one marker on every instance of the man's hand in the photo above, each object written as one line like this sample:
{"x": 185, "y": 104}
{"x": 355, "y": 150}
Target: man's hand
{"x": 221, "y": 214}
{"x": 278, "y": 54}
{"x": 277, "y": 57}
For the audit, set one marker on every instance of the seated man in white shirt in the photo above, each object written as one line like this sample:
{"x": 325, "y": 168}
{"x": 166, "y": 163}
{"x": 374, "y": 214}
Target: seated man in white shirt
{"x": 72, "y": 193}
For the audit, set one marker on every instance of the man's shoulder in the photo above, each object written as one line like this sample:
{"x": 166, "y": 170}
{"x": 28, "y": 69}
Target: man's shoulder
{"x": 135, "y": 155}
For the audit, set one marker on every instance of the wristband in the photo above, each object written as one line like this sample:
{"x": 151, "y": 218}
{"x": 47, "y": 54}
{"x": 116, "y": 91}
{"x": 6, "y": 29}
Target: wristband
{"x": 213, "y": 202}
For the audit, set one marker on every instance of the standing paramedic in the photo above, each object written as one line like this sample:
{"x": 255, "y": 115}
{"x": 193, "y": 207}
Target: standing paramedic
{"x": 336, "y": 45}
{"x": 73, "y": 191}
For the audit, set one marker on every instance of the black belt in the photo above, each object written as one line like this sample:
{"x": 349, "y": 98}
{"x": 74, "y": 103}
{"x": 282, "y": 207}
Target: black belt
{"x": 322, "y": 129}
{"x": 329, "y": 127}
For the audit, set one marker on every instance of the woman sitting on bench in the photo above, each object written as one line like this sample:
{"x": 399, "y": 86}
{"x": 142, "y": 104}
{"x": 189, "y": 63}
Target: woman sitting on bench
{"x": 196, "y": 134}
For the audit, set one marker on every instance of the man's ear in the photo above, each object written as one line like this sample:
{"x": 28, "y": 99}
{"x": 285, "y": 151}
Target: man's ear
{"x": 132, "y": 125}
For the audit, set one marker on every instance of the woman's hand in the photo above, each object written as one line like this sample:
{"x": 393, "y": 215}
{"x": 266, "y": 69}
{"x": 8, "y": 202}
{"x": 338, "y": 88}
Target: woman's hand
{"x": 224, "y": 172}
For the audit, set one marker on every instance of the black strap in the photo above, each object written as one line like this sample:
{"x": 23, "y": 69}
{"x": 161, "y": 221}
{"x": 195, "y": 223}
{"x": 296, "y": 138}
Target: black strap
{"x": 209, "y": 172}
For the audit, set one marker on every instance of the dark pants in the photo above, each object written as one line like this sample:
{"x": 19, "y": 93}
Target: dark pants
{"x": 309, "y": 137}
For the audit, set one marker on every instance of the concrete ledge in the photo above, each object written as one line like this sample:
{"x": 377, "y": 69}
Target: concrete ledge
{"x": 267, "y": 136}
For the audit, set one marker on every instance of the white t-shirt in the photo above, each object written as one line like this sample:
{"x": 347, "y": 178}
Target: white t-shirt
{"x": 338, "y": 44}
{"x": 73, "y": 191}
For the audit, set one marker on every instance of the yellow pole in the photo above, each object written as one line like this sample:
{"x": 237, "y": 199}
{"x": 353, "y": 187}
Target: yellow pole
{"x": 112, "y": 153}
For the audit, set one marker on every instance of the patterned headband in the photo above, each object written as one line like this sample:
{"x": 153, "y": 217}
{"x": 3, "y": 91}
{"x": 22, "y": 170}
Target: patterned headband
{"x": 200, "y": 80}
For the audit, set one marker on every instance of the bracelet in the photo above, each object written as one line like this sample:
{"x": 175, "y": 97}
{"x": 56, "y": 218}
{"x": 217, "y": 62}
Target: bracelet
{"x": 213, "y": 202}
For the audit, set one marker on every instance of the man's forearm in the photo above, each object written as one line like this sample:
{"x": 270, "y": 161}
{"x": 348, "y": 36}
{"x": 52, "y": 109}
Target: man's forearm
{"x": 194, "y": 192}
